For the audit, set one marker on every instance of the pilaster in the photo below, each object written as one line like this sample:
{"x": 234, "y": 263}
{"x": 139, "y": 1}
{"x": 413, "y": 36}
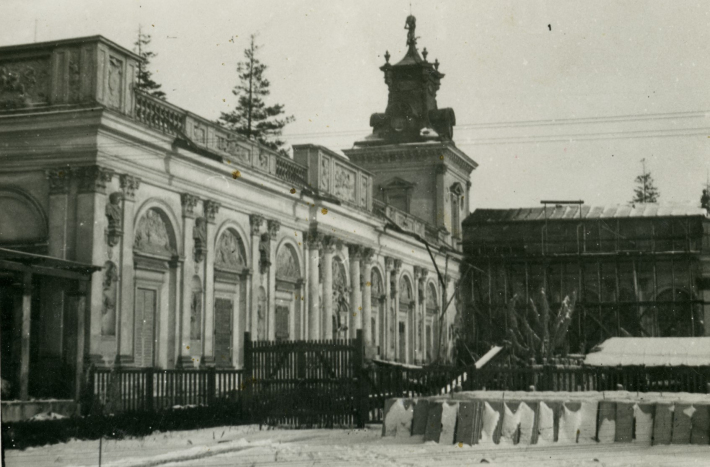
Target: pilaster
{"x": 389, "y": 316}
{"x": 367, "y": 260}
{"x": 327, "y": 265}
{"x": 255, "y": 221}
{"x": 273, "y": 231}
{"x": 125, "y": 331}
{"x": 60, "y": 245}
{"x": 189, "y": 202}
{"x": 210, "y": 209}
{"x": 314, "y": 316}
{"x": 355, "y": 255}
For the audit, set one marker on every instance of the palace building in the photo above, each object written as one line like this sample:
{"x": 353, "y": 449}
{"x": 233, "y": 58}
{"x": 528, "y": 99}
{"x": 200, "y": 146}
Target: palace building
{"x": 134, "y": 233}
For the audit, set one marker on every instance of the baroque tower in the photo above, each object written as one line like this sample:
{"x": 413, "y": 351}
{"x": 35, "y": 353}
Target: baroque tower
{"x": 416, "y": 165}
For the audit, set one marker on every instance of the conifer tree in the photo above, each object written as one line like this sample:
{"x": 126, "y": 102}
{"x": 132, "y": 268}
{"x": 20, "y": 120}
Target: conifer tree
{"x": 145, "y": 80}
{"x": 252, "y": 117}
{"x": 646, "y": 191}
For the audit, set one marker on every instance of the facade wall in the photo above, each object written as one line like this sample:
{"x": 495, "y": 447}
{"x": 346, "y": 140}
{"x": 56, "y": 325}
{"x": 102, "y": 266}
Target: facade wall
{"x": 201, "y": 241}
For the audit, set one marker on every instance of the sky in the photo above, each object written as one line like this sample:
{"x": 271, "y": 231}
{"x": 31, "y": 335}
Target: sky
{"x": 553, "y": 99}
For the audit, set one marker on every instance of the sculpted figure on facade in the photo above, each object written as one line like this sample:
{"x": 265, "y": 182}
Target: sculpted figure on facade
{"x": 114, "y": 214}
{"x": 264, "y": 252}
{"x": 199, "y": 236}
{"x": 108, "y": 300}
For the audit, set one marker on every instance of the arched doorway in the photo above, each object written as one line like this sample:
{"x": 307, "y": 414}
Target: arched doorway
{"x": 229, "y": 287}
{"x": 154, "y": 251}
{"x": 288, "y": 284}
{"x": 405, "y": 324}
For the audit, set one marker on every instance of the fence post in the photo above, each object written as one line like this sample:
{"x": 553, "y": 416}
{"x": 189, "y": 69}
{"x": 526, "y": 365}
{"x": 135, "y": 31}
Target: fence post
{"x": 211, "y": 385}
{"x": 362, "y": 395}
{"x": 148, "y": 389}
{"x": 246, "y": 388}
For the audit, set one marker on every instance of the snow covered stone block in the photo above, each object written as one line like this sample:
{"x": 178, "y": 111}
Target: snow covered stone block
{"x": 607, "y": 430}
{"x": 448, "y": 422}
{"x": 491, "y": 423}
{"x": 468, "y": 425}
{"x": 441, "y": 422}
{"x": 643, "y": 420}
{"x": 398, "y": 417}
{"x": 421, "y": 411}
{"x": 662, "y": 424}
{"x": 624, "y": 422}
{"x": 547, "y": 421}
{"x": 518, "y": 423}
{"x": 578, "y": 423}
{"x": 681, "y": 423}
{"x": 700, "y": 431}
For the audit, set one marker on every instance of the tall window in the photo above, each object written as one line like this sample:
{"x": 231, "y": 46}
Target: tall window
{"x": 456, "y": 206}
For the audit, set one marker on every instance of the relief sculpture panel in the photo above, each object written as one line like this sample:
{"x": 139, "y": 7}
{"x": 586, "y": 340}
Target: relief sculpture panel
{"x": 115, "y": 83}
{"x": 344, "y": 186}
{"x": 24, "y": 83}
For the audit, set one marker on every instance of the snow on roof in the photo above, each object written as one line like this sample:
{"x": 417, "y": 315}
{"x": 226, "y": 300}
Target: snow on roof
{"x": 651, "y": 351}
{"x": 480, "y": 216}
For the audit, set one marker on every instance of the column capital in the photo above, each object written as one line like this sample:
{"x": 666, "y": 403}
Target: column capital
{"x": 397, "y": 265}
{"x": 389, "y": 263}
{"x": 93, "y": 178}
{"x": 211, "y": 209}
{"x": 129, "y": 184}
{"x": 255, "y": 221}
{"x": 368, "y": 256}
{"x": 355, "y": 252}
{"x": 58, "y": 180}
{"x": 441, "y": 169}
{"x": 274, "y": 226}
{"x": 329, "y": 243}
{"x": 468, "y": 184}
{"x": 188, "y": 204}
{"x": 314, "y": 240}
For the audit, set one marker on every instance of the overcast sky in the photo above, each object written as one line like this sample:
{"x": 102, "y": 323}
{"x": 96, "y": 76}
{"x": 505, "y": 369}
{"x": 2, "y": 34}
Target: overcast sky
{"x": 505, "y": 61}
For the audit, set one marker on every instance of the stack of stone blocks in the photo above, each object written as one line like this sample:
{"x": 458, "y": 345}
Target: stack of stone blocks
{"x": 512, "y": 418}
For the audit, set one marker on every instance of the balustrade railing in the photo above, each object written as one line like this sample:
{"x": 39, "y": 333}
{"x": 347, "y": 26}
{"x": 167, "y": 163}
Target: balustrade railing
{"x": 159, "y": 114}
{"x": 290, "y": 171}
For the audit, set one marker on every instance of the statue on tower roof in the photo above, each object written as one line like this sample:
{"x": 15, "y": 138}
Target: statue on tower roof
{"x": 411, "y": 25}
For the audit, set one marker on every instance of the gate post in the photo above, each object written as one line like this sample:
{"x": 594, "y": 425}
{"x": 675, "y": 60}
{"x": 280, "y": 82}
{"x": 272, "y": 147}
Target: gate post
{"x": 362, "y": 395}
{"x": 211, "y": 385}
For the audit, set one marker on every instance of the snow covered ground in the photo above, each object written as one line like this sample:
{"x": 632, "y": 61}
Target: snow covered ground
{"x": 247, "y": 445}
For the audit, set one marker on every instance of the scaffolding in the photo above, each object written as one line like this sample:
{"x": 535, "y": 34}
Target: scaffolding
{"x": 633, "y": 275}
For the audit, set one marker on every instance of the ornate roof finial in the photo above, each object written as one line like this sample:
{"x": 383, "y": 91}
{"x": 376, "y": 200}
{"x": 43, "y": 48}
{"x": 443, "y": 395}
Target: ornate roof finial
{"x": 387, "y": 56}
{"x": 436, "y": 64}
{"x": 411, "y": 25}
{"x": 424, "y": 53}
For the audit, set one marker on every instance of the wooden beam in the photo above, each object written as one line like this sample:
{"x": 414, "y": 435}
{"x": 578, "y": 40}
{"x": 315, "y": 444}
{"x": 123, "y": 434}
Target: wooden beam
{"x": 44, "y": 271}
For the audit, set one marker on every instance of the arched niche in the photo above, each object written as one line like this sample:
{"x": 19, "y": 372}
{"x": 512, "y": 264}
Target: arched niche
{"x": 261, "y": 311}
{"x": 22, "y": 219}
{"x": 432, "y": 298}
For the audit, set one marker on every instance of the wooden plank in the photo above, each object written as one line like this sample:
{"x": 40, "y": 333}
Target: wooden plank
{"x": 681, "y": 424}
{"x": 700, "y": 431}
{"x": 469, "y": 422}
